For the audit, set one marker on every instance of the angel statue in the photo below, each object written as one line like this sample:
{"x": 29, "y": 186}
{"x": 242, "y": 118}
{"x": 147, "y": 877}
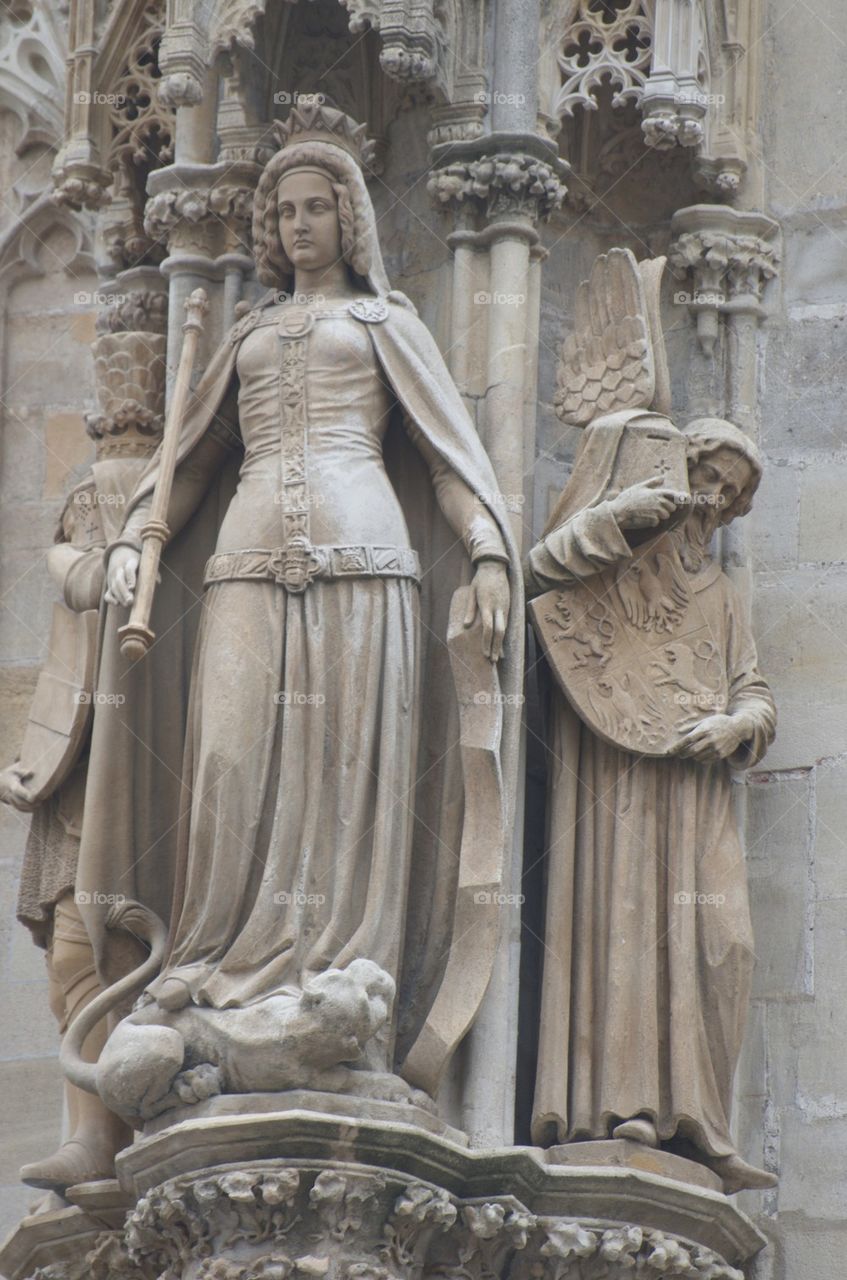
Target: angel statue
{"x": 288, "y": 782}
{"x": 655, "y": 697}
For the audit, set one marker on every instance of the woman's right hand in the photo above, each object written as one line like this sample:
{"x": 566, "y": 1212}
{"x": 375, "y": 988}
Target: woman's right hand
{"x": 643, "y": 506}
{"x": 121, "y": 575}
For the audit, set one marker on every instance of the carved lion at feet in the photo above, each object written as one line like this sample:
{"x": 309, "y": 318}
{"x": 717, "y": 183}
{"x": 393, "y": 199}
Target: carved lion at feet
{"x": 158, "y": 1058}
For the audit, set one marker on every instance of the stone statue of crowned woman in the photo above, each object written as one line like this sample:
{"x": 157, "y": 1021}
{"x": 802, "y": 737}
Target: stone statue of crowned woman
{"x": 311, "y": 769}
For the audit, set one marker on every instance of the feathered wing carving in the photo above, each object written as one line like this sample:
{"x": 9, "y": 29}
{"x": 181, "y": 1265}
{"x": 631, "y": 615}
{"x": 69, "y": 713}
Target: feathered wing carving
{"x": 651, "y": 271}
{"x": 615, "y": 357}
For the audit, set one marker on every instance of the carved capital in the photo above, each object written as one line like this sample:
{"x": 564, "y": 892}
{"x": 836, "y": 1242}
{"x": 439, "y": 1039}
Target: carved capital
{"x": 137, "y": 310}
{"x": 273, "y": 1220}
{"x": 727, "y": 257}
{"x": 363, "y": 14}
{"x": 485, "y": 1240}
{"x": 81, "y": 186}
{"x": 572, "y": 1250}
{"x": 666, "y": 129}
{"x": 206, "y": 212}
{"x": 505, "y": 183}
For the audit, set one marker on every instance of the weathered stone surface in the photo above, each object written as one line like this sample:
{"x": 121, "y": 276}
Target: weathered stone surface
{"x": 633, "y": 1155}
{"x": 831, "y": 828}
{"x": 777, "y": 841}
{"x": 32, "y": 1091}
{"x": 774, "y": 521}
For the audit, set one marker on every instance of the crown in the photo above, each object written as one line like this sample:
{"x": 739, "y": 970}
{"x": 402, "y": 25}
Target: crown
{"x": 313, "y": 121}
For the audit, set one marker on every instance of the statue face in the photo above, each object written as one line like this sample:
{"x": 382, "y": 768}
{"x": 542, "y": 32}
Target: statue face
{"x": 308, "y": 220}
{"x": 716, "y": 480}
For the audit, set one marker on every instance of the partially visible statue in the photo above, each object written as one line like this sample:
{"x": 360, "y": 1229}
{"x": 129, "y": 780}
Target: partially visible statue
{"x": 332, "y": 497}
{"x": 48, "y": 781}
{"x": 656, "y": 697}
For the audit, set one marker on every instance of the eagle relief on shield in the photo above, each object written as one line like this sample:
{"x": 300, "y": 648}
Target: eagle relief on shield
{"x": 629, "y": 646}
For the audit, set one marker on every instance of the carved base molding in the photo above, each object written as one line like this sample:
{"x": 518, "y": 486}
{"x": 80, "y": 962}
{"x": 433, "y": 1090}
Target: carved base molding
{"x": 306, "y": 1195}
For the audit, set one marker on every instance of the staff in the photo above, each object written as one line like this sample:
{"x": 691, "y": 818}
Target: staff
{"x": 136, "y": 635}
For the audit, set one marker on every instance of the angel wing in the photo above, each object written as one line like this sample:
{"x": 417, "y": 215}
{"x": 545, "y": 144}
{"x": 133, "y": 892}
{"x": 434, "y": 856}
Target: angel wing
{"x": 615, "y": 357}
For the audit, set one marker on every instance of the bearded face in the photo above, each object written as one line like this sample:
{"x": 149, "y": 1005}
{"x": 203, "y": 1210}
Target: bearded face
{"x": 716, "y": 481}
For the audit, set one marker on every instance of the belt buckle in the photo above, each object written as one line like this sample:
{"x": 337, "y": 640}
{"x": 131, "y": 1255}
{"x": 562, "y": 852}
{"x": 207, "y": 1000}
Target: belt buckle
{"x": 295, "y": 565}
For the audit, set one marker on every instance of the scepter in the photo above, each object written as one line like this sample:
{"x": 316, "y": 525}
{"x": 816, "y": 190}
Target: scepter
{"x": 137, "y": 635}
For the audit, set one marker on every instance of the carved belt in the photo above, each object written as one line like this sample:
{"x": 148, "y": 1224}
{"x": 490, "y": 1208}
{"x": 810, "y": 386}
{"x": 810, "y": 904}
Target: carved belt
{"x": 295, "y": 566}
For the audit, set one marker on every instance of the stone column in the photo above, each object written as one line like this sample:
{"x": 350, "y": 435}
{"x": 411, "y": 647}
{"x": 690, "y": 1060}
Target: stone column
{"x": 502, "y": 185}
{"x": 727, "y": 256}
{"x": 202, "y": 212}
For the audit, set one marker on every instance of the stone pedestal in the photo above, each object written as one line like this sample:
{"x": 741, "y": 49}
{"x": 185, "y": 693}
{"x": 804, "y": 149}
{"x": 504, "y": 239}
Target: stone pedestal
{"x": 266, "y": 1195}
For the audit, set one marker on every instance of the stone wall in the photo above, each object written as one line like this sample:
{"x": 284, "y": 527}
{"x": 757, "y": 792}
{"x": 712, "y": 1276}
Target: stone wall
{"x": 793, "y": 1084}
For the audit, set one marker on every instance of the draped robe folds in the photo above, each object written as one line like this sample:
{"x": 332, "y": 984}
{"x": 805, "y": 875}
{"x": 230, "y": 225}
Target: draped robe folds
{"x": 138, "y": 805}
{"x": 648, "y": 943}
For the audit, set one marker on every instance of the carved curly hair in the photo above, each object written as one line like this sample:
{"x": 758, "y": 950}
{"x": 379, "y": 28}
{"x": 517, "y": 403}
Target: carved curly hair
{"x": 355, "y": 211}
{"x": 706, "y": 435}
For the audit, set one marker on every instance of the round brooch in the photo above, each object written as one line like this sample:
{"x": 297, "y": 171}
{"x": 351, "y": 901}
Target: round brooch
{"x": 295, "y": 323}
{"x": 371, "y": 310}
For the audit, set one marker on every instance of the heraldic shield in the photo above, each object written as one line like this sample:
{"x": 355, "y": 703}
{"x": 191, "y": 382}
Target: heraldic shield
{"x": 633, "y": 651}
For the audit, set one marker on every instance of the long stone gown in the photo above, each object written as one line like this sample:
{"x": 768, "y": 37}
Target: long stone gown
{"x": 648, "y": 943}
{"x": 302, "y": 728}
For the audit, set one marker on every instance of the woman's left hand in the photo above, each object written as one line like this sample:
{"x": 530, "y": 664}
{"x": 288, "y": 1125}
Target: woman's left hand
{"x": 490, "y": 599}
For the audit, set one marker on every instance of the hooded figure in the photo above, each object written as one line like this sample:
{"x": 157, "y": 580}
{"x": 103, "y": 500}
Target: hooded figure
{"x": 307, "y": 804}
{"x": 648, "y": 942}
